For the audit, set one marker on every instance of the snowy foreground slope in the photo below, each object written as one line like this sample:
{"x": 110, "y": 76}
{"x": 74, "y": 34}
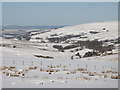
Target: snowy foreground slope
{"x": 36, "y": 64}
{"x": 42, "y": 79}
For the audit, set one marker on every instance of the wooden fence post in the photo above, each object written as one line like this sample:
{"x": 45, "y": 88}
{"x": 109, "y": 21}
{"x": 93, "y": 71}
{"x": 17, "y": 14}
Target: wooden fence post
{"x": 31, "y": 62}
{"x": 60, "y": 65}
{"x": 51, "y": 64}
{"x": 86, "y": 66}
{"x": 13, "y": 62}
{"x": 95, "y": 66}
{"x": 23, "y": 62}
{"x": 41, "y": 63}
{"x": 103, "y": 68}
{"x": 111, "y": 68}
{"x": 4, "y": 62}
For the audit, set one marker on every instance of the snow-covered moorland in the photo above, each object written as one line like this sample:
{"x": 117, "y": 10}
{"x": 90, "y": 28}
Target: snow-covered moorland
{"x": 81, "y": 56}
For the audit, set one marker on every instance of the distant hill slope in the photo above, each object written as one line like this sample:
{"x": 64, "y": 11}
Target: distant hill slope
{"x": 82, "y": 32}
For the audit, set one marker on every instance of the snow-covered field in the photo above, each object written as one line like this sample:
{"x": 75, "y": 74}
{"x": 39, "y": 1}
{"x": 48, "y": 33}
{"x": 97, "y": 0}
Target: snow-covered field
{"x": 42, "y": 79}
{"x": 39, "y": 65}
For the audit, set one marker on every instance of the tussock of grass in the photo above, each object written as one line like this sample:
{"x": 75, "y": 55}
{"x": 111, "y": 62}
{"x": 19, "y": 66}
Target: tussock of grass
{"x": 115, "y": 76}
{"x": 81, "y": 69}
{"x": 86, "y": 78}
{"x": 32, "y": 68}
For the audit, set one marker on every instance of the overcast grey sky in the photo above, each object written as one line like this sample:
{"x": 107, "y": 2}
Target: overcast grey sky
{"x": 62, "y": 13}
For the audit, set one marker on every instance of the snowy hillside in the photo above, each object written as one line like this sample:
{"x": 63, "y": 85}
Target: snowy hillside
{"x": 92, "y": 31}
{"x": 80, "y": 56}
